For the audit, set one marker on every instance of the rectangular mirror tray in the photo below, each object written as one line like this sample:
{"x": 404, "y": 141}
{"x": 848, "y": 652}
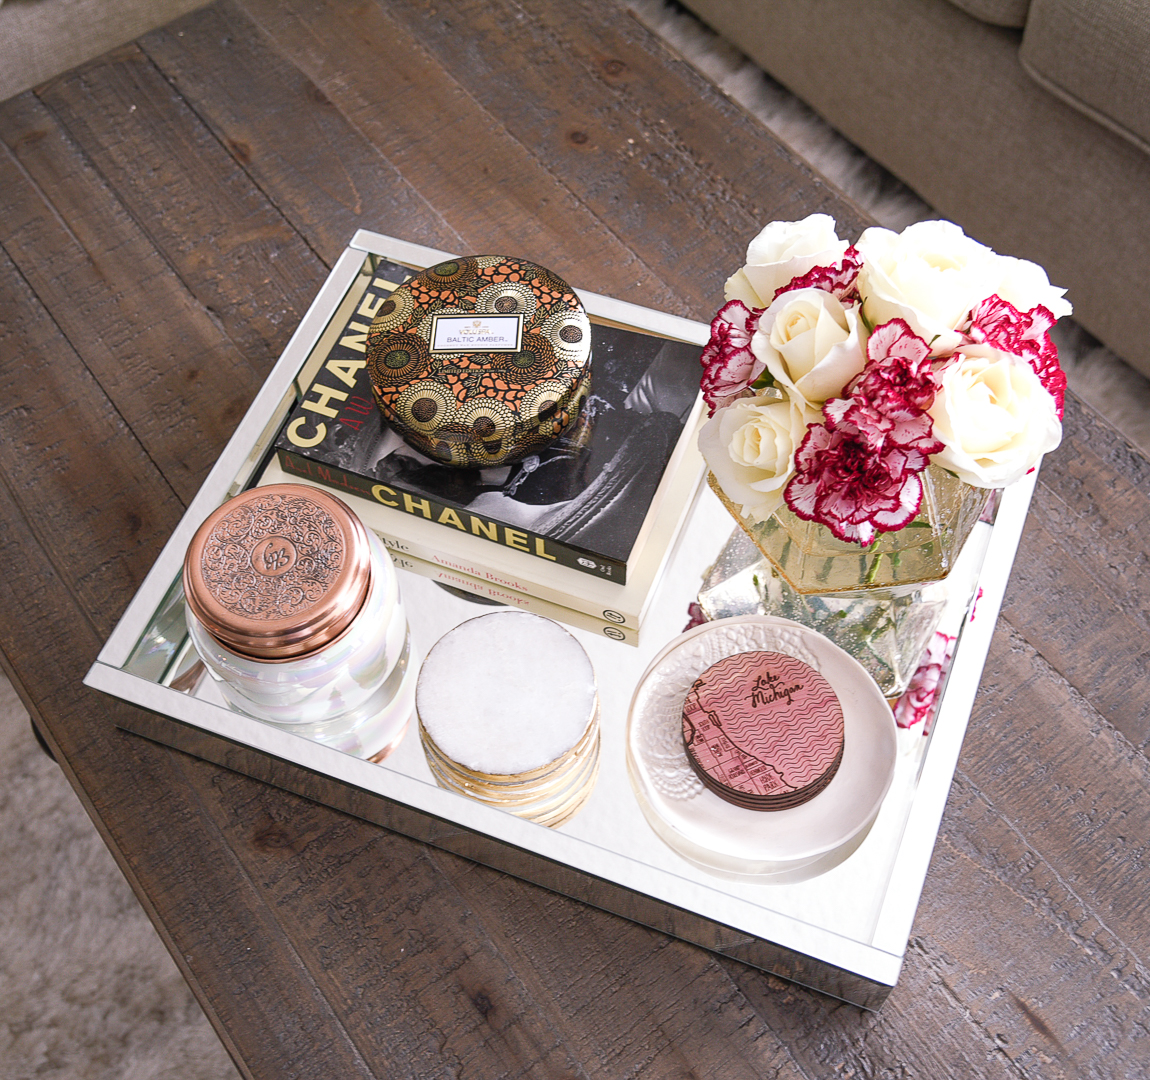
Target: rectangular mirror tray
{"x": 843, "y": 932}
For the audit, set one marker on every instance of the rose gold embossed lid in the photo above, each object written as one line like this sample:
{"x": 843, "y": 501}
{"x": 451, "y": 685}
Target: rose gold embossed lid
{"x": 278, "y": 572}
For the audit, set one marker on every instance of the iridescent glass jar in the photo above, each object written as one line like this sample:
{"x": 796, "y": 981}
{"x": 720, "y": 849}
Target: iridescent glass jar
{"x": 294, "y": 608}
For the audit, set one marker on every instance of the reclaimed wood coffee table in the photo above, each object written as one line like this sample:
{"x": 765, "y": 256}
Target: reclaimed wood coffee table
{"x": 167, "y": 213}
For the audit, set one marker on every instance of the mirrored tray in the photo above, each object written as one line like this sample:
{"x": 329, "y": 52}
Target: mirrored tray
{"x": 843, "y": 932}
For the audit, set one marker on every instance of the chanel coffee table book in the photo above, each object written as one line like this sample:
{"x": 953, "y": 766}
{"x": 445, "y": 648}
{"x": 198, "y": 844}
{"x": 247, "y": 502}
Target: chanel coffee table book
{"x": 489, "y": 587}
{"x": 587, "y": 502}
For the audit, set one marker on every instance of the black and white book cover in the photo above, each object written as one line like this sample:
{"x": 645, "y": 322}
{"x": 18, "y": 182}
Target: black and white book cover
{"x": 580, "y": 502}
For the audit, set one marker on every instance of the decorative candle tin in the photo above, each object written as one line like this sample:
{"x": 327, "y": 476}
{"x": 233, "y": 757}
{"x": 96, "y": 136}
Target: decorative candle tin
{"x": 294, "y": 608}
{"x": 479, "y": 361}
{"x": 509, "y": 715}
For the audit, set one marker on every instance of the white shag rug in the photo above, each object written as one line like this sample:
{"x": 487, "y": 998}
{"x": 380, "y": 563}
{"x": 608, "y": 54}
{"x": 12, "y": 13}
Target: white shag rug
{"x": 87, "y": 991}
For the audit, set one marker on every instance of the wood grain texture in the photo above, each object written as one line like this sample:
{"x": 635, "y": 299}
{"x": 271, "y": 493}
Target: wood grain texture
{"x": 62, "y": 437}
{"x": 490, "y": 186}
{"x": 538, "y": 149}
{"x": 1082, "y": 580}
{"x": 145, "y": 338}
{"x": 230, "y": 246}
{"x": 70, "y": 563}
{"x": 303, "y": 153}
{"x": 166, "y": 215}
{"x": 672, "y": 164}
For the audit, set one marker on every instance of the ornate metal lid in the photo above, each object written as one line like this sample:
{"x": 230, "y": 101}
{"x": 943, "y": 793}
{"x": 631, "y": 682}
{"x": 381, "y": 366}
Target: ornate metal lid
{"x": 479, "y": 361}
{"x": 278, "y": 571}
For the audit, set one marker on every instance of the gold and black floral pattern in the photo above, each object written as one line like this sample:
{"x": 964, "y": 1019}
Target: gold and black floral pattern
{"x": 481, "y": 408}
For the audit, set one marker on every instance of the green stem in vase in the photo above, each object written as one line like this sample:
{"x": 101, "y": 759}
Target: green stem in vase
{"x": 872, "y": 572}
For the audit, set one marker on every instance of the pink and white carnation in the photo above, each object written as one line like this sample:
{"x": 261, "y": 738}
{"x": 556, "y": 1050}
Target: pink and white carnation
{"x": 917, "y": 704}
{"x": 897, "y": 384}
{"x": 993, "y": 415}
{"x": 840, "y": 279}
{"x": 783, "y": 251}
{"x": 857, "y": 473}
{"x": 729, "y": 365}
{"x": 811, "y": 343}
{"x": 1027, "y": 334}
{"x": 855, "y": 484}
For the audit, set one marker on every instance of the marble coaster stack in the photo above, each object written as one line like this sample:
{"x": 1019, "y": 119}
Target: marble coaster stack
{"x": 509, "y": 716}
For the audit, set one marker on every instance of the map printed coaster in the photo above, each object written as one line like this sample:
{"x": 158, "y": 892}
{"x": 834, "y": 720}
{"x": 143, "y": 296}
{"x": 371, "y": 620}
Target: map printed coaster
{"x": 763, "y": 730}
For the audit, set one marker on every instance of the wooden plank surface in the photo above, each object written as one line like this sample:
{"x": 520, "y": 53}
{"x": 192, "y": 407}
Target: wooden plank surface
{"x": 166, "y": 215}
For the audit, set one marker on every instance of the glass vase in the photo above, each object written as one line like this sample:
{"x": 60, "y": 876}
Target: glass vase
{"x": 877, "y": 602}
{"x": 814, "y": 561}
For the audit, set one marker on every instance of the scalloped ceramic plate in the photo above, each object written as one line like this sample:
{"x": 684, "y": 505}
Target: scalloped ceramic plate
{"x": 728, "y": 840}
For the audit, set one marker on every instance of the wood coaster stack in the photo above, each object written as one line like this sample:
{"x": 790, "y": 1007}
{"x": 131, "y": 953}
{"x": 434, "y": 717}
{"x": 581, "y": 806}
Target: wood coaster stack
{"x": 495, "y": 729}
{"x": 763, "y": 730}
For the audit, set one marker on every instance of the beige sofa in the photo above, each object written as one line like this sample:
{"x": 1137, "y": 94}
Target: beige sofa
{"x": 1026, "y": 121}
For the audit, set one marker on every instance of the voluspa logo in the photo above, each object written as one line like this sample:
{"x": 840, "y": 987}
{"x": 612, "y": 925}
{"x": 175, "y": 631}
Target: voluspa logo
{"x": 468, "y": 333}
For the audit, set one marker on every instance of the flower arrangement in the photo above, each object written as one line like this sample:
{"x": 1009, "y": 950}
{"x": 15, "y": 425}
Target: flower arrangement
{"x": 836, "y": 374}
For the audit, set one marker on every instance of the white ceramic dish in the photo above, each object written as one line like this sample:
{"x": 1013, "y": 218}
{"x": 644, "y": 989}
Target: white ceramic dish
{"x": 783, "y": 845}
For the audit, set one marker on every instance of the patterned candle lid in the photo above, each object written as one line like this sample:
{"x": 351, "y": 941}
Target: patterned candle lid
{"x": 278, "y": 571}
{"x": 481, "y": 360}
{"x": 763, "y": 730}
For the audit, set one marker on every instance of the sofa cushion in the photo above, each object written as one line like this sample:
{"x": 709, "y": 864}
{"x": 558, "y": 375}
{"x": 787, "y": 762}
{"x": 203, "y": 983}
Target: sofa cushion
{"x": 942, "y": 101}
{"x": 1096, "y": 57}
{"x": 996, "y": 12}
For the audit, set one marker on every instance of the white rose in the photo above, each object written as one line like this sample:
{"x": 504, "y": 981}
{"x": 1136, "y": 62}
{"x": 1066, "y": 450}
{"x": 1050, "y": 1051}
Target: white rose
{"x": 1025, "y": 285}
{"x": 931, "y": 275}
{"x": 750, "y": 447}
{"x": 994, "y": 416}
{"x": 811, "y": 344}
{"x": 780, "y": 253}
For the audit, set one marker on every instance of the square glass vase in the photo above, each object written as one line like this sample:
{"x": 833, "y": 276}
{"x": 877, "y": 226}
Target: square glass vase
{"x": 814, "y": 561}
{"x": 876, "y": 602}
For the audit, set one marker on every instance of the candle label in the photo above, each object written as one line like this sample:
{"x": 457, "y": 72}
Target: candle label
{"x": 476, "y": 333}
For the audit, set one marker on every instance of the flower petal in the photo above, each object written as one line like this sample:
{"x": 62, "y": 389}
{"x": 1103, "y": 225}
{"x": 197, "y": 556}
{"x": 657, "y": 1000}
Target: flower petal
{"x": 838, "y": 278}
{"x": 729, "y": 366}
{"x": 1000, "y": 324}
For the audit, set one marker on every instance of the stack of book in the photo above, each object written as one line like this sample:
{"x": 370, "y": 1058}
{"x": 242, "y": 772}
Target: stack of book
{"x": 579, "y": 532}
